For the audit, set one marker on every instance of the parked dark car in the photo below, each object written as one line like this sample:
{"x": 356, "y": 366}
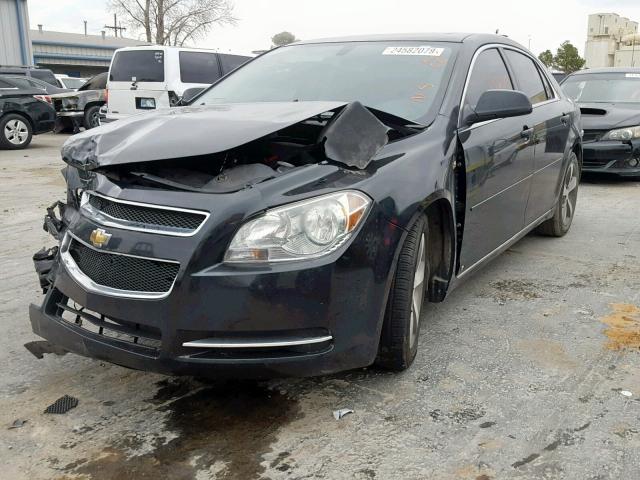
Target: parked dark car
{"x": 23, "y": 113}
{"x": 24, "y": 82}
{"x": 43, "y": 74}
{"x": 292, "y": 219}
{"x": 81, "y": 108}
{"x": 609, "y": 99}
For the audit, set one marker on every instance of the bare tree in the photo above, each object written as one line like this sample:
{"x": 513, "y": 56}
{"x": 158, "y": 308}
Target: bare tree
{"x": 174, "y": 22}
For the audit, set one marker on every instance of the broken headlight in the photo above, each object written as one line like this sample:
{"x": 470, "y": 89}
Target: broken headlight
{"x": 628, "y": 133}
{"x": 301, "y": 230}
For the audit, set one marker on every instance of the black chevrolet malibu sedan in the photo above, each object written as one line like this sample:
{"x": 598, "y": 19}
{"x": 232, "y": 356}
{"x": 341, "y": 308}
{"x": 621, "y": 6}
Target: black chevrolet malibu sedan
{"x": 294, "y": 217}
{"x": 609, "y": 99}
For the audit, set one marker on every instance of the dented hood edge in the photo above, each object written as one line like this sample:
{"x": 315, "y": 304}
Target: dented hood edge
{"x": 184, "y": 132}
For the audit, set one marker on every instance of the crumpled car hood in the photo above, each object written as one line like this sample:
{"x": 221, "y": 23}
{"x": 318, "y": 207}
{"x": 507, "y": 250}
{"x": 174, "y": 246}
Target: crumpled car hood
{"x": 184, "y": 132}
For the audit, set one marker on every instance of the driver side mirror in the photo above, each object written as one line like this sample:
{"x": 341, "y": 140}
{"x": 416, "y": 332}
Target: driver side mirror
{"x": 495, "y": 104}
{"x": 189, "y": 94}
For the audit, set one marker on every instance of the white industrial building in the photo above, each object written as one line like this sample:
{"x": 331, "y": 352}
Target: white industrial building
{"x": 76, "y": 54}
{"x": 15, "y": 48}
{"x": 612, "y": 41}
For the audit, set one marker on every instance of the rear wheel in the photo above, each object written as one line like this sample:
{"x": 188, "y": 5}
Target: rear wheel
{"x": 92, "y": 117}
{"x": 559, "y": 224}
{"x": 15, "y": 132}
{"x": 399, "y": 338}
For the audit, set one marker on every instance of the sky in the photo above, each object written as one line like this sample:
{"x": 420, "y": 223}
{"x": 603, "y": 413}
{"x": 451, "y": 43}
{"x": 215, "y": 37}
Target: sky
{"x": 542, "y": 24}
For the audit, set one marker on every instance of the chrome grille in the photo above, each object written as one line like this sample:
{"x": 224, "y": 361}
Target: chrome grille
{"x": 145, "y": 217}
{"x": 123, "y": 272}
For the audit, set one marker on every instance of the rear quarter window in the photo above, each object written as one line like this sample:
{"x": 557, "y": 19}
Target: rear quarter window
{"x": 199, "y": 67}
{"x": 137, "y": 65}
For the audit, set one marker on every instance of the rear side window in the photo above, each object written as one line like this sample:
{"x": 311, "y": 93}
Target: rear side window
{"x": 489, "y": 73}
{"x": 527, "y": 76}
{"x": 44, "y": 75}
{"x": 137, "y": 65}
{"x": 199, "y": 67}
{"x": 4, "y": 84}
{"x": 231, "y": 62}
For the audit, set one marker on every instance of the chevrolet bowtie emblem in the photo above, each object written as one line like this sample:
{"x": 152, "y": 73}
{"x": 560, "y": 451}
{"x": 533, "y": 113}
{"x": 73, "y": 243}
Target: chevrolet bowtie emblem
{"x": 99, "y": 238}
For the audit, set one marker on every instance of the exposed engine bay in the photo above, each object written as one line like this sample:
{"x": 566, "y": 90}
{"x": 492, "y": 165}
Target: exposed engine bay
{"x": 350, "y": 134}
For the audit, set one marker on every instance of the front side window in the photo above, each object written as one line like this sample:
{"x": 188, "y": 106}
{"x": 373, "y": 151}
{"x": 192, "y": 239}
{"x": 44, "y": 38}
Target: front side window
{"x": 527, "y": 76}
{"x": 138, "y": 66}
{"x": 199, "y": 67}
{"x": 406, "y": 79}
{"x": 603, "y": 87}
{"x": 489, "y": 73}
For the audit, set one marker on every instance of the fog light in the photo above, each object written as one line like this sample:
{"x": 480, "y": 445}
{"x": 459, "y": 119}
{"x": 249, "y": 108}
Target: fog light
{"x": 633, "y": 162}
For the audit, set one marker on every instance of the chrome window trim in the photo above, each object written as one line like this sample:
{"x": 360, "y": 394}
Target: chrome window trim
{"x": 470, "y": 71}
{"x": 88, "y": 284}
{"x": 215, "y": 343}
{"x": 108, "y": 221}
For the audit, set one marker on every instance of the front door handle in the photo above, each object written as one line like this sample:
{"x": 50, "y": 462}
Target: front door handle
{"x": 527, "y": 133}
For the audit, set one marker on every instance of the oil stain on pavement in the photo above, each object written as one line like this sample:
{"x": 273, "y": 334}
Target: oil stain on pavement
{"x": 228, "y": 425}
{"x": 623, "y": 329}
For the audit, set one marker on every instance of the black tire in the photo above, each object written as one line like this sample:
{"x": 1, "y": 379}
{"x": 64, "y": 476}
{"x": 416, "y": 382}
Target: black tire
{"x": 560, "y": 223}
{"x": 15, "y": 132}
{"x": 398, "y": 343}
{"x": 92, "y": 117}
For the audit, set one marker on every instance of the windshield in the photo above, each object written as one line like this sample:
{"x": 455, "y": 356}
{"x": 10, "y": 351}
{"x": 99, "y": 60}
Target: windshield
{"x": 401, "y": 78}
{"x": 137, "y": 66}
{"x": 603, "y": 87}
{"x": 71, "y": 82}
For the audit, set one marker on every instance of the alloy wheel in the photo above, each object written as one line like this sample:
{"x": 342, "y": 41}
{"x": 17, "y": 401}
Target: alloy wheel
{"x": 418, "y": 290}
{"x": 94, "y": 120}
{"x": 569, "y": 193}
{"x": 16, "y": 131}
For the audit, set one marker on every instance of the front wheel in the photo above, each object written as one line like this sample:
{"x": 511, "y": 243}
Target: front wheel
{"x": 399, "y": 338}
{"x": 559, "y": 224}
{"x": 92, "y": 117}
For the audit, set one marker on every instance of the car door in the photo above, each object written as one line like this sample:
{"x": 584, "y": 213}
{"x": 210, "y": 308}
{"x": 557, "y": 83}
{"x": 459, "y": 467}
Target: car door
{"x": 499, "y": 161}
{"x": 551, "y": 130}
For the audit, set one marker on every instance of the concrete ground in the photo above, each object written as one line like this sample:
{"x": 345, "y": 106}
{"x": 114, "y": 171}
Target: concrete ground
{"x": 531, "y": 369}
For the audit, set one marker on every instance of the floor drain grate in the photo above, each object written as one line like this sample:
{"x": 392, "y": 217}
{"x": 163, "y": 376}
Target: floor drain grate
{"x": 62, "y": 405}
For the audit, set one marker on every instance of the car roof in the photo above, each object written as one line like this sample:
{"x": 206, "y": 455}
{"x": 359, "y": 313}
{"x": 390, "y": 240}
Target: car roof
{"x": 466, "y": 38}
{"x": 165, "y": 47}
{"x": 608, "y": 70}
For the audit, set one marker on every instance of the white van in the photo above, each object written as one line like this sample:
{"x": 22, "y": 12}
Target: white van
{"x": 149, "y": 77}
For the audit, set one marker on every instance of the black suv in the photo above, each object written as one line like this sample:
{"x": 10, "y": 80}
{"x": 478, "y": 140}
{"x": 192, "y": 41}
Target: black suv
{"x": 23, "y": 113}
{"x": 43, "y": 74}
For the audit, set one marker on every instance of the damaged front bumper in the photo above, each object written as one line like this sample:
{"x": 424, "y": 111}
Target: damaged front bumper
{"x": 615, "y": 157}
{"x": 306, "y": 318}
